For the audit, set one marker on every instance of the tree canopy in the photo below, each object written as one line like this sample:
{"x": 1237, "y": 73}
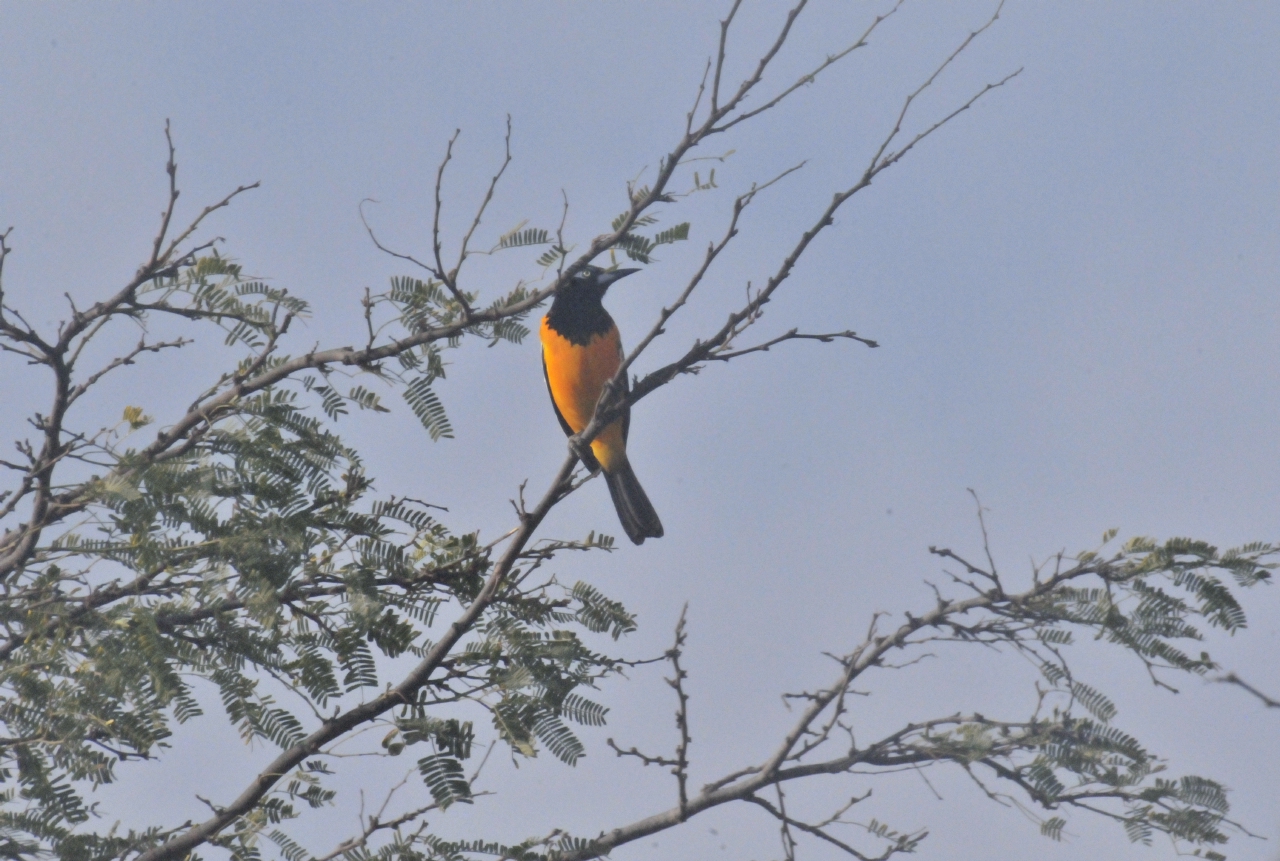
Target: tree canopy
{"x": 240, "y": 558}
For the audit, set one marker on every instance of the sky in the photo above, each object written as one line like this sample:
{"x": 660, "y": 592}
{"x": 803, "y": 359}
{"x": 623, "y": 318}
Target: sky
{"x": 1074, "y": 286}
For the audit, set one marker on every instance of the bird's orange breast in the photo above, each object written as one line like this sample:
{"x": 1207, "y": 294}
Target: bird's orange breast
{"x": 576, "y": 375}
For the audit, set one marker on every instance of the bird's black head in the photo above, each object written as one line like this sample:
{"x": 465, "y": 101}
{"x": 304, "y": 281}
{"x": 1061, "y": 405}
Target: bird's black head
{"x": 576, "y": 312}
{"x": 593, "y": 281}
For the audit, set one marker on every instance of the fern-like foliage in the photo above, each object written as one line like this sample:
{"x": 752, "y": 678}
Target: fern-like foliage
{"x": 1151, "y": 600}
{"x": 427, "y": 407}
{"x": 445, "y": 779}
{"x": 256, "y": 576}
{"x": 520, "y": 238}
{"x": 639, "y": 247}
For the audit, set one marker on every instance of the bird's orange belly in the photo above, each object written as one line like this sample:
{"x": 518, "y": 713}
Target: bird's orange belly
{"x": 576, "y": 375}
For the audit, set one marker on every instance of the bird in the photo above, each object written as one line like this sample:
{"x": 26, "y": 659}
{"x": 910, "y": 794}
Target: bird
{"x": 581, "y": 351}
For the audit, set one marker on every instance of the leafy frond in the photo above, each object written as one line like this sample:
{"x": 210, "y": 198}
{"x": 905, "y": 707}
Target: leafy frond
{"x": 427, "y": 407}
{"x": 445, "y": 779}
{"x": 519, "y": 238}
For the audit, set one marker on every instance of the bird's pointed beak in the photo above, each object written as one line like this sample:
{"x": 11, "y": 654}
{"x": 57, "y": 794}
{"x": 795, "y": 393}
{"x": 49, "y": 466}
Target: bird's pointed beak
{"x": 607, "y": 278}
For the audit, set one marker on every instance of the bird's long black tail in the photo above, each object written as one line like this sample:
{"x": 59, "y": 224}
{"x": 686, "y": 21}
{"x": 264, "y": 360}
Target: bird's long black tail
{"x": 634, "y": 508}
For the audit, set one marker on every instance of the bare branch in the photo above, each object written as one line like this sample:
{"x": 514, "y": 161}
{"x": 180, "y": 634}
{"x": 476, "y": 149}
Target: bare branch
{"x": 375, "y": 823}
{"x": 720, "y": 55}
{"x": 171, "y": 168}
{"x": 713, "y": 251}
{"x": 880, "y": 161}
{"x": 792, "y": 335}
{"x": 440, "y": 270}
{"x": 804, "y": 80}
{"x": 4, "y": 255}
{"x": 749, "y": 83}
{"x": 819, "y": 832}
{"x": 613, "y": 400}
{"x": 120, "y": 361}
{"x": 681, "y": 765}
{"x": 385, "y": 250}
{"x": 702, "y": 88}
{"x": 895, "y": 156}
{"x": 1233, "y": 679}
{"x": 484, "y": 204}
{"x": 644, "y": 758}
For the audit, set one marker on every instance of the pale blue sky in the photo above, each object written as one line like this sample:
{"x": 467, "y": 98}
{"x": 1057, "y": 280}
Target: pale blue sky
{"x": 1075, "y": 287}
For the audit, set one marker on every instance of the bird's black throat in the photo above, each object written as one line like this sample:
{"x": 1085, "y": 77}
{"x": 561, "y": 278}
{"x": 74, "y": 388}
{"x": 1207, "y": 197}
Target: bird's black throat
{"x": 577, "y": 315}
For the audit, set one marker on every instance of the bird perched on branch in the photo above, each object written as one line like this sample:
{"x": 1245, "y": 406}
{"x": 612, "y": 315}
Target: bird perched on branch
{"x": 581, "y": 351}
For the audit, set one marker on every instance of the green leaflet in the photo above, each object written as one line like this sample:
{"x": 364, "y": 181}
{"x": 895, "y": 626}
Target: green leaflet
{"x": 427, "y": 407}
{"x": 444, "y": 778}
{"x": 519, "y": 238}
{"x": 1052, "y": 827}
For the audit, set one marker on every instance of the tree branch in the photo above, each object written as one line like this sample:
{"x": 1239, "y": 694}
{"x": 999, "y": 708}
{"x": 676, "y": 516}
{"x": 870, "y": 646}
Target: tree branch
{"x": 1233, "y": 679}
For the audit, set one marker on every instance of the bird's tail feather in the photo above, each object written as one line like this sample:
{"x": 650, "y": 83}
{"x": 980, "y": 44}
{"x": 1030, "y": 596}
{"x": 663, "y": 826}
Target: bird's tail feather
{"x": 634, "y": 508}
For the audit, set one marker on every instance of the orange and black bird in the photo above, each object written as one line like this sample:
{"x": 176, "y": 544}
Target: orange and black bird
{"x": 581, "y": 351}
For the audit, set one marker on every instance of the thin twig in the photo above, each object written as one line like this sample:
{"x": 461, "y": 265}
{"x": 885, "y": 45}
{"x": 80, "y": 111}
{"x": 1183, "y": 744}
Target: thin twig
{"x": 792, "y": 335}
{"x": 1233, "y": 679}
{"x": 452, "y": 276}
{"x": 804, "y": 80}
{"x": 643, "y": 757}
{"x": 681, "y": 766}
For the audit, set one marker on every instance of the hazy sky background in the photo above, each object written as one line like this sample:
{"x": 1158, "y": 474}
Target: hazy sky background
{"x": 1075, "y": 287}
